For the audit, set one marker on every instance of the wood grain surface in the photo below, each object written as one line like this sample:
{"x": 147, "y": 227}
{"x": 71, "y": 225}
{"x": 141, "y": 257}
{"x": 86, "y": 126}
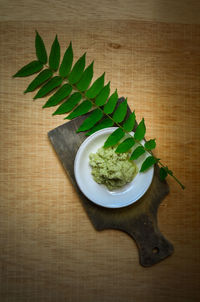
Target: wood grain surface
{"x": 49, "y": 250}
{"x": 179, "y": 11}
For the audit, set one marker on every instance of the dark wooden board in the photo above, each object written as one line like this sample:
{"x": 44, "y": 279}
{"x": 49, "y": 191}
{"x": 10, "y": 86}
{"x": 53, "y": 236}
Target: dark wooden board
{"x": 139, "y": 220}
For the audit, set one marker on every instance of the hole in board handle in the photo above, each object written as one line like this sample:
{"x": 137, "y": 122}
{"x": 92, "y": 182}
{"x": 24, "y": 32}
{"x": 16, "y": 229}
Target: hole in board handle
{"x": 155, "y": 250}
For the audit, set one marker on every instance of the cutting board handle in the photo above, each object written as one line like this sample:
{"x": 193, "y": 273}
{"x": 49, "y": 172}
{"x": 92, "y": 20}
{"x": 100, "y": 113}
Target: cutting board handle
{"x": 153, "y": 246}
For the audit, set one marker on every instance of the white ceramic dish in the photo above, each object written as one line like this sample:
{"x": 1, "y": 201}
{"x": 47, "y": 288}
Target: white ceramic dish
{"x": 98, "y": 193}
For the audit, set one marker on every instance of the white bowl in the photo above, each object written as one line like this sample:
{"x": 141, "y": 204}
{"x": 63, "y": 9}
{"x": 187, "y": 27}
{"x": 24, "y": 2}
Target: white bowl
{"x": 98, "y": 193}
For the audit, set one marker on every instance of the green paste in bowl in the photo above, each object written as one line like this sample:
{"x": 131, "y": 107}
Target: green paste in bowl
{"x": 114, "y": 170}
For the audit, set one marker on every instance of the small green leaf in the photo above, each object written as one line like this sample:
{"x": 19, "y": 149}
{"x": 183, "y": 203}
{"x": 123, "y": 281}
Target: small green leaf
{"x": 29, "y": 69}
{"x": 105, "y": 123}
{"x": 110, "y": 105}
{"x": 149, "y": 161}
{"x": 40, "y": 49}
{"x": 164, "y": 170}
{"x": 168, "y": 171}
{"x": 103, "y": 95}
{"x": 140, "y": 131}
{"x": 86, "y": 78}
{"x": 126, "y": 145}
{"x": 89, "y": 122}
{"x": 151, "y": 144}
{"x": 54, "y": 57}
{"x": 42, "y": 77}
{"x": 120, "y": 112}
{"x": 137, "y": 152}
{"x": 69, "y": 104}
{"x": 66, "y": 64}
{"x": 83, "y": 108}
{"x": 129, "y": 123}
{"x": 163, "y": 173}
{"x": 77, "y": 70}
{"x": 59, "y": 96}
{"x": 114, "y": 138}
{"x": 48, "y": 87}
{"x": 96, "y": 87}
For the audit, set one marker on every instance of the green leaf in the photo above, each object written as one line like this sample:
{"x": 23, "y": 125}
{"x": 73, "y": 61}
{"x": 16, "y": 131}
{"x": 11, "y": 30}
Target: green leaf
{"x": 42, "y": 77}
{"x": 59, "y": 96}
{"x": 110, "y": 105}
{"x": 86, "y": 78}
{"x": 140, "y": 131}
{"x": 151, "y": 144}
{"x": 77, "y": 70}
{"x": 48, "y": 87}
{"x": 137, "y": 152}
{"x": 66, "y": 64}
{"x": 89, "y": 122}
{"x": 149, "y": 161}
{"x": 163, "y": 173}
{"x": 129, "y": 123}
{"x": 105, "y": 123}
{"x": 114, "y": 138}
{"x": 120, "y": 112}
{"x": 126, "y": 145}
{"x": 29, "y": 69}
{"x": 96, "y": 87}
{"x": 169, "y": 171}
{"x": 54, "y": 57}
{"x": 83, "y": 108}
{"x": 69, "y": 104}
{"x": 40, "y": 49}
{"x": 103, "y": 95}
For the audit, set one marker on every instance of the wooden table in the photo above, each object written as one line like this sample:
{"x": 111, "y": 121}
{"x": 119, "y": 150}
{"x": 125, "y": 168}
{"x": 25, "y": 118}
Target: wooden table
{"x": 49, "y": 250}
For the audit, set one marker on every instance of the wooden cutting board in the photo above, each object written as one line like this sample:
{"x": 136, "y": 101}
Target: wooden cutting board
{"x": 139, "y": 220}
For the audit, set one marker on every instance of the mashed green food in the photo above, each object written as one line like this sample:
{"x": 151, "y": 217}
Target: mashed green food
{"x": 112, "y": 169}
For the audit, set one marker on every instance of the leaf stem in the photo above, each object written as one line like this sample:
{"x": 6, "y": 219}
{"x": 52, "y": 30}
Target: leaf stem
{"x": 172, "y": 175}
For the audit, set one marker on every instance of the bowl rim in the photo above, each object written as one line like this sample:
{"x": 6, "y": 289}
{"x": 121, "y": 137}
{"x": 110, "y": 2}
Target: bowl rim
{"x": 77, "y": 175}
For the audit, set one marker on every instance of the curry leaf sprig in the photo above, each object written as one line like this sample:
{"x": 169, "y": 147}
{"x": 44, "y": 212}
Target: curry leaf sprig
{"x": 70, "y": 87}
